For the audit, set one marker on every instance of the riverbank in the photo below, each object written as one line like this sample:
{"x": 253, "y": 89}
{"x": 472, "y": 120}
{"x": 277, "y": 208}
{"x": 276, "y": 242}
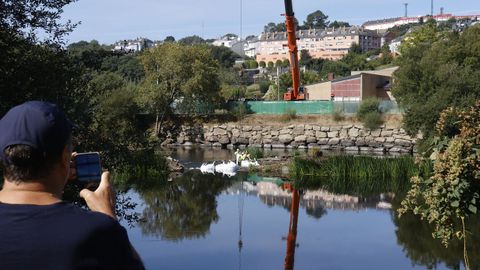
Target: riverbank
{"x": 351, "y": 138}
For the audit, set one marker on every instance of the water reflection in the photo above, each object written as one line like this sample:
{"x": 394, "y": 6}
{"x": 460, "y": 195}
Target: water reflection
{"x": 292, "y": 229}
{"x": 188, "y": 208}
{"x": 415, "y": 236}
{"x": 182, "y": 209}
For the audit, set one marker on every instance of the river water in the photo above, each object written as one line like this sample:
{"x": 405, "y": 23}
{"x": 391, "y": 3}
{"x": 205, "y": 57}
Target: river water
{"x": 244, "y": 222}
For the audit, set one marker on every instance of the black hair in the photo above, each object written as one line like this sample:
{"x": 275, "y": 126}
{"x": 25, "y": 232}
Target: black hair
{"x": 23, "y": 163}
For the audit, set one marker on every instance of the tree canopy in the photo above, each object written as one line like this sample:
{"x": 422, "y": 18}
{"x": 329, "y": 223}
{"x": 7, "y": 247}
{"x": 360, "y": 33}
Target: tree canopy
{"x": 27, "y": 17}
{"x": 437, "y": 70}
{"x": 316, "y": 19}
{"x": 187, "y": 75}
{"x": 192, "y": 40}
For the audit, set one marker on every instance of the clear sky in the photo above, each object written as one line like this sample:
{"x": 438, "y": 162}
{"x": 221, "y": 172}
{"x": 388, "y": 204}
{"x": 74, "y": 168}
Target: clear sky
{"x": 111, "y": 20}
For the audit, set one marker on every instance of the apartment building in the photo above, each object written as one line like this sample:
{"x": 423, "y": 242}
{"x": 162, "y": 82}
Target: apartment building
{"x": 329, "y": 43}
{"x": 385, "y": 24}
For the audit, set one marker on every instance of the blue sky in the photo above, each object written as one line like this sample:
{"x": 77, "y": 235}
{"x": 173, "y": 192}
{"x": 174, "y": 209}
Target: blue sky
{"x": 110, "y": 20}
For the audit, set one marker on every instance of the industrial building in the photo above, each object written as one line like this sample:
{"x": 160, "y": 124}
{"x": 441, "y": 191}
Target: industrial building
{"x": 360, "y": 85}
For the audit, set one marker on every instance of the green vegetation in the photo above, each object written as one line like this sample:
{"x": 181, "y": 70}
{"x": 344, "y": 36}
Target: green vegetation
{"x": 357, "y": 174}
{"x": 182, "y": 209}
{"x": 451, "y": 194}
{"x": 438, "y": 69}
{"x": 372, "y": 120}
{"x": 177, "y": 72}
{"x": 370, "y": 114}
{"x": 316, "y": 19}
{"x": 354, "y": 60}
{"x": 306, "y": 78}
{"x": 240, "y": 111}
{"x": 145, "y": 170}
{"x": 255, "y": 153}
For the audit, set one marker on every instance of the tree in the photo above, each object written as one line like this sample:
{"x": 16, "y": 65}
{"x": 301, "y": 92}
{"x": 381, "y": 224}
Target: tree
{"x": 251, "y": 64}
{"x": 225, "y": 56}
{"x": 308, "y": 77}
{"x": 270, "y": 27}
{"x": 192, "y": 40}
{"x": 437, "y": 70}
{"x": 278, "y": 63}
{"x": 98, "y": 58}
{"x": 338, "y": 24}
{"x": 29, "y": 71}
{"x": 285, "y": 63}
{"x": 262, "y": 64}
{"x": 316, "y": 20}
{"x": 422, "y": 37}
{"x": 270, "y": 64}
{"x": 253, "y": 92}
{"x": 116, "y": 117}
{"x": 305, "y": 58}
{"x": 338, "y": 68}
{"x": 273, "y": 93}
{"x": 187, "y": 75}
{"x": 126, "y": 65}
{"x": 280, "y": 27}
{"x": 355, "y": 48}
{"x": 230, "y": 36}
{"x": 28, "y": 18}
{"x": 169, "y": 39}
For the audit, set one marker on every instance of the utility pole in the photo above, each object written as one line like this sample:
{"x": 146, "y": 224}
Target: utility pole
{"x": 241, "y": 20}
{"x": 406, "y": 9}
{"x": 431, "y": 13}
{"x": 278, "y": 82}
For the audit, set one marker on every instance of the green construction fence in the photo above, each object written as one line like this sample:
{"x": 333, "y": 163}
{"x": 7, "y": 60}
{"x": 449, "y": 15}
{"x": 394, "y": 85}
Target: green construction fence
{"x": 311, "y": 107}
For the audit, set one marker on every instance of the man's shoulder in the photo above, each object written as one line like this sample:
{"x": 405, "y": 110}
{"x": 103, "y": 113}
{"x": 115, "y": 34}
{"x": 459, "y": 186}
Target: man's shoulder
{"x": 88, "y": 217}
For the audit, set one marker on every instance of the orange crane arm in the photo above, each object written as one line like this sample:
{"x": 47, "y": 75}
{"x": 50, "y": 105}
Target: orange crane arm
{"x": 293, "y": 49}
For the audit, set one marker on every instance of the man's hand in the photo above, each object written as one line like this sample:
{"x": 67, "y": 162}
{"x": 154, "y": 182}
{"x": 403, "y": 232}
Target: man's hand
{"x": 102, "y": 199}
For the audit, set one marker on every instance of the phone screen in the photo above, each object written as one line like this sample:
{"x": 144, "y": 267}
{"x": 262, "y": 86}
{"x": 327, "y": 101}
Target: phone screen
{"x": 88, "y": 167}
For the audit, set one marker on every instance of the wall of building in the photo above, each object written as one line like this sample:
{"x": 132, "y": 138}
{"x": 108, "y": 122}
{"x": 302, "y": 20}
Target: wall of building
{"x": 331, "y": 43}
{"x": 319, "y": 91}
{"x": 372, "y": 86}
{"x": 347, "y": 89}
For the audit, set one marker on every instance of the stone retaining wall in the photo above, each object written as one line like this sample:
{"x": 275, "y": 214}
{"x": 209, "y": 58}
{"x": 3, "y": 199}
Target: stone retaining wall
{"x": 348, "y": 138}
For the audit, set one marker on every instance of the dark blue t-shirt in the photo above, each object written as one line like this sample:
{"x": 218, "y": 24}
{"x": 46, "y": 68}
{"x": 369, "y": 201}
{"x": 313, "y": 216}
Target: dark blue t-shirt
{"x": 62, "y": 236}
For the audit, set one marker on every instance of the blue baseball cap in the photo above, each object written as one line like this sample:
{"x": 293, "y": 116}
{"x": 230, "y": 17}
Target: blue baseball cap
{"x": 39, "y": 124}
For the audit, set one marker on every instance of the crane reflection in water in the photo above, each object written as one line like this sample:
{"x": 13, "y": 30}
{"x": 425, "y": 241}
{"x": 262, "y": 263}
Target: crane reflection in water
{"x": 292, "y": 227}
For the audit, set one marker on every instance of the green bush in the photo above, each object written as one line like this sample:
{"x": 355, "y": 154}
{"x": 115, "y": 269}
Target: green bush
{"x": 372, "y": 120}
{"x": 369, "y": 113}
{"x": 255, "y": 153}
{"x": 368, "y": 105}
{"x": 240, "y": 111}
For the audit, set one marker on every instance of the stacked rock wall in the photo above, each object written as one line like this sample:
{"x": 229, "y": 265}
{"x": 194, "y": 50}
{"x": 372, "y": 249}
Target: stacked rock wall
{"x": 348, "y": 138}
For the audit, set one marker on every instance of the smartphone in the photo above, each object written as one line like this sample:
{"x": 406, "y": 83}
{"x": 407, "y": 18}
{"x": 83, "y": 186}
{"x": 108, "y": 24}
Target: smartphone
{"x": 88, "y": 167}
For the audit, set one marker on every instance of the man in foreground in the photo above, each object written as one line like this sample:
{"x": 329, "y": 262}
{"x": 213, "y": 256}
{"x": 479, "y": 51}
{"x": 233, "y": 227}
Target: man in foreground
{"x": 37, "y": 229}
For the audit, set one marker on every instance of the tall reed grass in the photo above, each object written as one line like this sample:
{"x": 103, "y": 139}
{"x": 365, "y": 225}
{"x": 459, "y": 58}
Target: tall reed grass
{"x": 357, "y": 174}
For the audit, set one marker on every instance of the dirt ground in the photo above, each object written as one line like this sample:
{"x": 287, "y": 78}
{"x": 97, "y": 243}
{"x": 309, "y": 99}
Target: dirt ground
{"x": 391, "y": 121}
